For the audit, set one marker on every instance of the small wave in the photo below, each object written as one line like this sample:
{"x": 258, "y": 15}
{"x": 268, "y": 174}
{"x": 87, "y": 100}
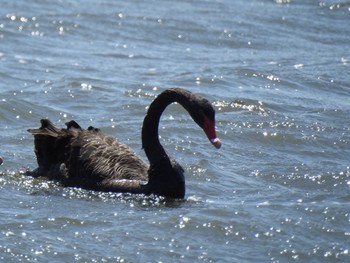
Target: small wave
{"x": 335, "y": 6}
{"x": 241, "y": 105}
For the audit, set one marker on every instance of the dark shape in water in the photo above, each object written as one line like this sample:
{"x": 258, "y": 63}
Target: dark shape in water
{"x": 92, "y": 160}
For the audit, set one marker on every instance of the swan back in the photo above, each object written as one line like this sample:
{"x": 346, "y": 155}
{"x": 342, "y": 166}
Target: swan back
{"x": 81, "y": 157}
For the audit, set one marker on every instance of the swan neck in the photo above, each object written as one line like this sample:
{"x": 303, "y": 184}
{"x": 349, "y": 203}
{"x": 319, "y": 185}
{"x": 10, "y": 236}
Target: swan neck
{"x": 150, "y": 137}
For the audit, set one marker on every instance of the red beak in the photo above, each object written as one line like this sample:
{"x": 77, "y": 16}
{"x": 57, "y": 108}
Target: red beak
{"x": 209, "y": 129}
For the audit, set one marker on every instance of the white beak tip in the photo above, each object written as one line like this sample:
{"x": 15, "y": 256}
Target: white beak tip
{"x": 216, "y": 142}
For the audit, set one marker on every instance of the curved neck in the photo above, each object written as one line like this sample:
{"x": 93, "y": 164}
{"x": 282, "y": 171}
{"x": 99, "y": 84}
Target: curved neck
{"x": 150, "y": 138}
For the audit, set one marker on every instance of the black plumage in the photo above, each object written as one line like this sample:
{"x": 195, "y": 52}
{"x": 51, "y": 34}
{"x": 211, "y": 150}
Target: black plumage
{"x": 89, "y": 159}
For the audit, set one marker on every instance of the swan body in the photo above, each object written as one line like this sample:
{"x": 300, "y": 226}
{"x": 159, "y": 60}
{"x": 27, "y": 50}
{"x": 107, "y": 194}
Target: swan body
{"x": 89, "y": 159}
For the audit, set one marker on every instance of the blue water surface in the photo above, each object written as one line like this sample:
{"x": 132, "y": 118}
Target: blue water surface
{"x": 277, "y": 73}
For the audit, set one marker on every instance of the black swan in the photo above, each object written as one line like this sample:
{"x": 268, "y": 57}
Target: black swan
{"x": 92, "y": 160}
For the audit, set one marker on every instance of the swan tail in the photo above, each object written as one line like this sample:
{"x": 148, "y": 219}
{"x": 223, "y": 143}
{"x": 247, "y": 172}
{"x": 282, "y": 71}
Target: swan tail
{"x": 51, "y": 148}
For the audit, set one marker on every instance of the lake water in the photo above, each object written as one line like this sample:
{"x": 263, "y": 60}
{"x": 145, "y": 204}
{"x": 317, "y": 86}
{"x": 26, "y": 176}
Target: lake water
{"x": 278, "y": 75}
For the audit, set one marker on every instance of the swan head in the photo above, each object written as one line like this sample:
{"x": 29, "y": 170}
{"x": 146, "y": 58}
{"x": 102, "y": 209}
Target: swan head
{"x": 203, "y": 114}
